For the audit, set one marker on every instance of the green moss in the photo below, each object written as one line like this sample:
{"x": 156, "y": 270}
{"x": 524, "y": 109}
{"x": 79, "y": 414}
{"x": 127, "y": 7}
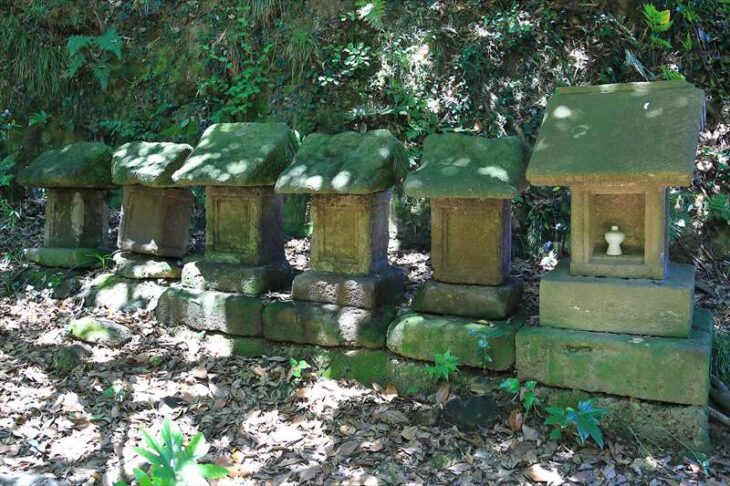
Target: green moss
{"x": 86, "y": 164}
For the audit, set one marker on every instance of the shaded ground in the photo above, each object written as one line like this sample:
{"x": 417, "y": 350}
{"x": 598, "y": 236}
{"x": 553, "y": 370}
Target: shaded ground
{"x": 266, "y": 425}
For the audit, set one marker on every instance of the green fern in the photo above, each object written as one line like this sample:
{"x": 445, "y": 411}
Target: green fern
{"x": 718, "y": 207}
{"x": 96, "y": 52}
{"x": 372, "y": 12}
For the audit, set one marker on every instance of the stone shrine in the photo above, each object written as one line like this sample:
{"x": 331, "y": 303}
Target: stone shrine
{"x": 348, "y": 297}
{"x": 76, "y": 177}
{"x": 470, "y": 181}
{"x": 620, "y": 321}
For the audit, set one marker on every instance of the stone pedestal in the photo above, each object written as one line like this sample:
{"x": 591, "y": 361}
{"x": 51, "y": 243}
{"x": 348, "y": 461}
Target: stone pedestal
{"x": 477, "y": 301}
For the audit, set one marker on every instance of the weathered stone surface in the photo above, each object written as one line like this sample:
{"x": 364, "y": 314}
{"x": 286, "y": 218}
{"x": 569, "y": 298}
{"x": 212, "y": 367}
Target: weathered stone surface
{"x": 346, "y": 163}
{"x": 155, "y": 221}
{"x": 478, "y": 301}
{"x": 243, "y": 225}
{"x": 675, "y": 370}
{"x": 631, "y": 306}
{"x": 211, "y": 311}
{"x": 350, "y": 233}
{"x": 421, "y": 336}
{"x": 244, "y": 279}
{"x": 99, "y": 331}
{"x": 619, "y": 133}
{"x": 131, "y": 265}
{"x": 148, "y": 163}
{"x": 327, "y": 324}
{"x": 64, "y": 257}
{"x": 85, "y": 164}
{"x": 66, "y": 359}
{"x": 366, "y": 292}
{"x": 471, "y": 240}
{"x": 239, "y": 154}
{"x": 76, "y": 218}
{"x": 640, "y": 212}
{"x": 117, "y": 293}
{"x": 465, "y": 166}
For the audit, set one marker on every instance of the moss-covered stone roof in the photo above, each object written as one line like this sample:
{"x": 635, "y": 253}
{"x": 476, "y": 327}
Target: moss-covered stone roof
{"x": 619, "y": 133}
{"x": 465, "y": 166}
{"x": 83, "y": 165}
{"x": 346, "y": 163}
{"x": 238, "y": 154}
{"x": 148, "y": 163}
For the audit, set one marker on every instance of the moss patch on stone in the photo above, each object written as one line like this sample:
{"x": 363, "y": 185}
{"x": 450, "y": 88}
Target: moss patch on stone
{"x": 148, "y": 163}
{"x": 99, "y": 331}
{"x": 346, "y": 163}
{"x": 64, "y": 257}
{"x": 85, "y": 164}
{"x": 117, "y": 293}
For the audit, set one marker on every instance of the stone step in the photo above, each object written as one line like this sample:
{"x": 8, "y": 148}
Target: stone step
{"x": 477, "y": 301}
{"x": 367, "y": 292}
{"x": 246, "y": 279}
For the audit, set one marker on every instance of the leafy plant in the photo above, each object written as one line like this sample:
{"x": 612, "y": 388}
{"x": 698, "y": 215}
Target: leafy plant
{"x": 6, "y": 170}
{"x": 39, "y": 118}
{"x": 372, "y": 12}
{"x": 172, "y": 463}
{"x": 95, "y": 52}
{"x": 298, "y": 367}
{"x": 444, "y": 366}
{"x": 718, "y": 207}
{"x": 527, "y": 395}
{"x": 658, "y": 21}
{"x": 585, "y": 419}
{"x": 483, "y": 345}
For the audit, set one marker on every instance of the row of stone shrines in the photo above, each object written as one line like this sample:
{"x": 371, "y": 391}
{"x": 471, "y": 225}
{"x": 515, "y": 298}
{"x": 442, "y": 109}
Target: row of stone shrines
{"x": 621, "y": 324}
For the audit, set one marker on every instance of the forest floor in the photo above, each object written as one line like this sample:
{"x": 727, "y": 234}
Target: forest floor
{"x": 265, "y": 424}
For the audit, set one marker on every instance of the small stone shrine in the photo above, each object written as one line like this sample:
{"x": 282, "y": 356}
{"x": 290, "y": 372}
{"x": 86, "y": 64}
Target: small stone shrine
{"x": 619, "y": 318}
{"x": 470, "y": 181}
{"x": 348, "y": 297}
{"x": 238, "y": 163}
{"x": 76, "y": 177}
{"x": 154, "y": 229}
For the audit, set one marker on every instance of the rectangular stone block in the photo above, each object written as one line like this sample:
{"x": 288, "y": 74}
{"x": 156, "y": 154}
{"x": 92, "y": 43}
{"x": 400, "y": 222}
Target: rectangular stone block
{"x": 631, "y": 306}
{"x": 640, "y": 212}
{"x": 65, "y": 257}
{"x": 366, "y": 292}
{"x": 327, "y": 324}
{"x": 133, "y": 265}
{"x": 476, "y": 343}
{"x": 211, "y": 311}
{"x": 478, "y": 301}
{"x": 243, "y": 225}
{"x": 471, "y": 240}
{"x": 155, "y": 220}
{"x": 350, "y": 233}
{"x": 76, "y": 218}
{"x": 675, "y": 370}
{"x": 229, "y": 277}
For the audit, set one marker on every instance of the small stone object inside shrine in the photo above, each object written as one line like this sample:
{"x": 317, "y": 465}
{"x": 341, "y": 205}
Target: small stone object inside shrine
{"x": 76, "y": 177}
{"x": 619, "y": 317}
{"x": 470, "y": 181}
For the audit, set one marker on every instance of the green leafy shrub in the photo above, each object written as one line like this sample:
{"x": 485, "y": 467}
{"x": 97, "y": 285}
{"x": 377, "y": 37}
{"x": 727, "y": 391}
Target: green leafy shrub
{"x": 584, "y": 419}
{"x": 657, "y": 21}
{"x": 526, "y": 393}
{"x": 172, "y": 463}
{"x": 444, "y": 366}
{"x": 298, "y": 367}
{"x": 95, "y": 52}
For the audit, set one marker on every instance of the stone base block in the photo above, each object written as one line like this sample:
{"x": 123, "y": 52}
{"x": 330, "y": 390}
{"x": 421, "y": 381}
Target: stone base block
{"x": 475, "y": 343}
{"x": 75, "y": 218}
{"x": 368, "y": 292}
{"x": 117, "y": 293}
{"x": 65, "y": 257}
{"x": 327, "y": 324}
{"x": 479, "y": 301}
{"x": 131, "y": 265}
{"x": 607, "y": 304}
{"x": 211, "y": 311}
{"x": 245, "y": 279}
{"x": 652, "y": 368}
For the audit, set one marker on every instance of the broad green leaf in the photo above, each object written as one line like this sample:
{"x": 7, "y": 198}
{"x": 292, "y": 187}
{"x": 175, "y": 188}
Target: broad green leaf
{"x": 197, "y": 447}
{"x": 511, "y": 385}
{"x": 212, "y": 471}
{"x": 152, "y": 458}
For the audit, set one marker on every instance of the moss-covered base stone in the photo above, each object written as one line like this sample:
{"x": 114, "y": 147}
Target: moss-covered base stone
{"x": 480, "y": 344}
{"x": 367, "y": 292}
{"x": 478, "y": 301}
{"x": 132, "y": 265}
{"x": 65, "y": 257}
{"x": 245, "y": 279}
{"x": 327, "y": 324}
{"x": 631, "y": 306}
{"x": 211, "y": 311}
{"x": 99, "y": 331}
{"x": 675, "y": 370}
{"x": 117, "y": 293}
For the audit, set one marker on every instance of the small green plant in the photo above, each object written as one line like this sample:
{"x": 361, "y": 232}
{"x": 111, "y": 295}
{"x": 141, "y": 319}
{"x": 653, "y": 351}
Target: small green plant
{"x": 669, "y": 73}
{"x": 585, "y": 418}
{"x": 718, "y": 207}
{"x": 371, "y": 12}
{"x": 39, "y": 118}
{"x": 103, "y": 259}
{"x": 657, "y": 21}
{"x": 444, "y": 366}
{"x": 95, "y": 52}
{"x": 6, "y": 170}
{"x": 298, "y": 367}
{"x": 483, "y": 345}
{"x": 9, "y": 216}
{"x": 525, "y": 392}
{"x": 172, "y": 463}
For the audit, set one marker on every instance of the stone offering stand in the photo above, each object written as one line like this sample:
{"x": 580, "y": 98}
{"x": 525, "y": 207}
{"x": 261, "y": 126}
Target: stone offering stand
{"x": 624, "y": 326}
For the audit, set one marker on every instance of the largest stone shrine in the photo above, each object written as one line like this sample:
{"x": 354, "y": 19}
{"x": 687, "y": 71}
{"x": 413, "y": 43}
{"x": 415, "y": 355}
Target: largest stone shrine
{"x": 619, "y": 317}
